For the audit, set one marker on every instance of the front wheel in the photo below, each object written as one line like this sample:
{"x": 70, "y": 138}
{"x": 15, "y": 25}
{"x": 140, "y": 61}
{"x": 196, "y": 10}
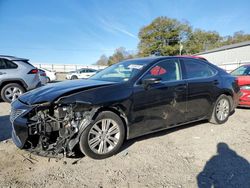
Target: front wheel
{"x": 221, "y": 110}
{"x": 11, "y": 92}
{"x": 104, "y": 137}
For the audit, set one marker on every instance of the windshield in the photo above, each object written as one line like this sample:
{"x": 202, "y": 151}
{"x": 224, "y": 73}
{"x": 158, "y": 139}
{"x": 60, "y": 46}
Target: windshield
{"x": 243, "y": 70}
{"x": 121, "y": 72}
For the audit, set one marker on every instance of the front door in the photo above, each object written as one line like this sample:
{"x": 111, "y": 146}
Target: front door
{"x": 160, "y": 105}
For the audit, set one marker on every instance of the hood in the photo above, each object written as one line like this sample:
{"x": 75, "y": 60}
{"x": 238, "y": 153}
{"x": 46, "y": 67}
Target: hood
{"x": 51, "y": 92}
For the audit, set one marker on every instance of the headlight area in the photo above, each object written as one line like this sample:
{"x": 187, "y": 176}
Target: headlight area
{"x": 57, "y": 129}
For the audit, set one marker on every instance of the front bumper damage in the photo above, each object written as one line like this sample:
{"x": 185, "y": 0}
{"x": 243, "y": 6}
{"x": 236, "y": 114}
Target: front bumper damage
{"x": 49, "y": 129}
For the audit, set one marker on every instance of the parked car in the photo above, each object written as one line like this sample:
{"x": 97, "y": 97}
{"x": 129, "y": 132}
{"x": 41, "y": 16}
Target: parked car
{"x": 51, "y": 75}
{"x": 124, "y": 101}
{"x": 17, "y": 76}
{"x": 43, "y": 77}
{"x": 81, "y": 73}
{"x": 243, "y": 75}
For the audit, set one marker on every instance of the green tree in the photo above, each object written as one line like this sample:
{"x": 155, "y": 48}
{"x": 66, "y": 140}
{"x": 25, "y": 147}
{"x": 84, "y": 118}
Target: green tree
{"x": 162, "y": 36}
{"x": 238, "y": 36}
{"x": 200, "y": 40}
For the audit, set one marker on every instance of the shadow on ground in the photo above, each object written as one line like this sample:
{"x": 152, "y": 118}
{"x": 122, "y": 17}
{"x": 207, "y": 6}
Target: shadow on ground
{"x": 129, "y": 143}
{"x": 5, "y": 128}
{"x": 225, "y": 169}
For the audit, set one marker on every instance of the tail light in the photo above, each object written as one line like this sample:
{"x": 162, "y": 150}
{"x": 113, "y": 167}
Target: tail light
{"x": 43, "y": 74}
{"x": 33, "y": 71}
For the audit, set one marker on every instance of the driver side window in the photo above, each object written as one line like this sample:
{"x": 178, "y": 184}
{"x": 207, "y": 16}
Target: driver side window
{"x": 168, "y": 70}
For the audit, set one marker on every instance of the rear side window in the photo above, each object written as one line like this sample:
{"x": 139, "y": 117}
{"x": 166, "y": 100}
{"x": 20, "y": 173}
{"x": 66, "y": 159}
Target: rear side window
{"x": 83, "y": 71}
{"x": 10, "y": 65}
{"x": 2, "y": 64}
{"x": 90, "y": 70}
{"x": 198, "y": 69}
{"x": 6, "y": 64}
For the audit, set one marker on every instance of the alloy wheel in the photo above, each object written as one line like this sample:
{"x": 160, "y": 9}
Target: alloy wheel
{"x": 104, "y": 136}
{"x": 12, "y": 93}
{"x": 222, "y": 109}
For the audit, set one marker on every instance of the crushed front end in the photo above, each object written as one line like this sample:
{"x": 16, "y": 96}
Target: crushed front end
{"x": 49, "y": 129}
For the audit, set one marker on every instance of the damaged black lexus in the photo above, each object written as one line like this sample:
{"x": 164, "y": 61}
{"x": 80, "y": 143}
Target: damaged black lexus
{"x": 124, "y": 101}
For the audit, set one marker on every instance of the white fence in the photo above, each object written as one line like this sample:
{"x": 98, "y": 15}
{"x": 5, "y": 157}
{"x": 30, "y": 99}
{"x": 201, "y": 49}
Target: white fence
{"x": 67, "y": 67}
{"x": 230, "y": 66}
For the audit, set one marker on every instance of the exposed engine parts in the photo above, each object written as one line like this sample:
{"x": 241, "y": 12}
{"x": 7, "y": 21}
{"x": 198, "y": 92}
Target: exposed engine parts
{"x": 57, "y": 129}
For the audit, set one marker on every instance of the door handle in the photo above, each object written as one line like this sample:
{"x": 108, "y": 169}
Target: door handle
{"x": 180, "y": 88}
{"x": 216, "y": 82}
{"x": 1, "y": 73}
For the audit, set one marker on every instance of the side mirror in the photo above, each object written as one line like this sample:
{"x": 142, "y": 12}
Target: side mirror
{"x": 150, "y": 81}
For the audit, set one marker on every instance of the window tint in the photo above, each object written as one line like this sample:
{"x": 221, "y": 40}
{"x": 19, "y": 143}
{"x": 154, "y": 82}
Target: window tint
{"x": 243, "y": 70}
{"x": 247, "y": 72}
{"x": 10, "y": 65}
{"x": 166, "y": 70}
{"x": 6, "y": 64}
{"x": 91, "y": 70}
{"x": 2, "y": 64}
{"x": 198, "y": 69}
{"x": 83, "y": 71}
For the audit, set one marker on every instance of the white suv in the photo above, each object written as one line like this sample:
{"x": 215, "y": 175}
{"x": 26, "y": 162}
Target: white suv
{"x": 17, "y": 75}
{"x": 81, "y": 73}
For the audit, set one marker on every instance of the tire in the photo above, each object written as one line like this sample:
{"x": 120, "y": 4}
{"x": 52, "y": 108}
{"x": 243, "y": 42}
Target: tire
{"x": 48, "y": 80}
{"x": 11, "y": 91}
{"x": 74, "y": 77}
{"x": 223, "y": 104}
{"x": 97, "y": 152}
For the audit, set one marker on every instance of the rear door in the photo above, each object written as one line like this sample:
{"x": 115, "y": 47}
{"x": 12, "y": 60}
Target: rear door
{"x": 203, "y": 85}
{"x": 8, "y": 69}
{"x": 163, "y": 104}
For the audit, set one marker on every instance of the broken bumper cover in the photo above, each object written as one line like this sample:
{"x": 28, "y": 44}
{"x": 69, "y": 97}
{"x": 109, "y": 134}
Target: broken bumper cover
{"x": 20, "y": 131}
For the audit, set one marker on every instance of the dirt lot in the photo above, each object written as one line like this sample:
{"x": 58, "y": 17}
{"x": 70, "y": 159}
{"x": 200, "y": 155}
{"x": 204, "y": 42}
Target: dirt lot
{"x": 195, "y": 154}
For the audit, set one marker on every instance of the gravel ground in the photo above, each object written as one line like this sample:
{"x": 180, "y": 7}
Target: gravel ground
{"x": 200, "y": 154}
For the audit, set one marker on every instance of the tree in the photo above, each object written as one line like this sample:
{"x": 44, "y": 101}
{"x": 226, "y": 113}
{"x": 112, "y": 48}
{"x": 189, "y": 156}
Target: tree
{"x": 238, "y": 36}
{"x": 200, "y": 40}
{"x": 120, "y": 54}
{"x": 162, "y": 36}
{"x": 103, "y": 60}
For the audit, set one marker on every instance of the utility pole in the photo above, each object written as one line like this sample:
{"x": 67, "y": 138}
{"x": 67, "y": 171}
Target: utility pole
{"x": 181, "y": 48}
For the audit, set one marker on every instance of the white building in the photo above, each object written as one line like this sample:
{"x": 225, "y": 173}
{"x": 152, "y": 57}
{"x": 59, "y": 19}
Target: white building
{"x": 229, "y": 57}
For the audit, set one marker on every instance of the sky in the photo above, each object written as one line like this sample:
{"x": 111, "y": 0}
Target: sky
{"x": 80, "y": 31}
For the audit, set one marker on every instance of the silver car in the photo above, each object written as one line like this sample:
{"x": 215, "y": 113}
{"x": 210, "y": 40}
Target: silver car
{"x": 17, "y": 76}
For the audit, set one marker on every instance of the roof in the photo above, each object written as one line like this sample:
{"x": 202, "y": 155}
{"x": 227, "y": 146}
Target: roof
{"x": 227, "y": 47}
{"x": 157, "y": 58}
{"x": 13, "y": 58}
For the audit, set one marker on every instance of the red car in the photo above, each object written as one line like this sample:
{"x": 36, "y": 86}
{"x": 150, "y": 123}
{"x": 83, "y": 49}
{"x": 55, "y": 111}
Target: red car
{"x": 243, "y": 75}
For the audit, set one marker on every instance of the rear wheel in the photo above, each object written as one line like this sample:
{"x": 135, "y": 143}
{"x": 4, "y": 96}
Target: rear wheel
{"x": 74, "y": 77}
{"x": 47, "y": 79}
{"x": 104, "y": 137}
{"x": 221, "y": 111}
{"x": 11, "y": 91}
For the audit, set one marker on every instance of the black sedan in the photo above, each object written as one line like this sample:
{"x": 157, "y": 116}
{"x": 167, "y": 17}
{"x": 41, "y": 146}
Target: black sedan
{"x": 124, "y": 101}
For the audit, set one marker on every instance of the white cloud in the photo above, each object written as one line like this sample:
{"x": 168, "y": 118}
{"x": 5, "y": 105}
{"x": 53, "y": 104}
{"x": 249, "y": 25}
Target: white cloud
{"x": 115, "y": 28}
